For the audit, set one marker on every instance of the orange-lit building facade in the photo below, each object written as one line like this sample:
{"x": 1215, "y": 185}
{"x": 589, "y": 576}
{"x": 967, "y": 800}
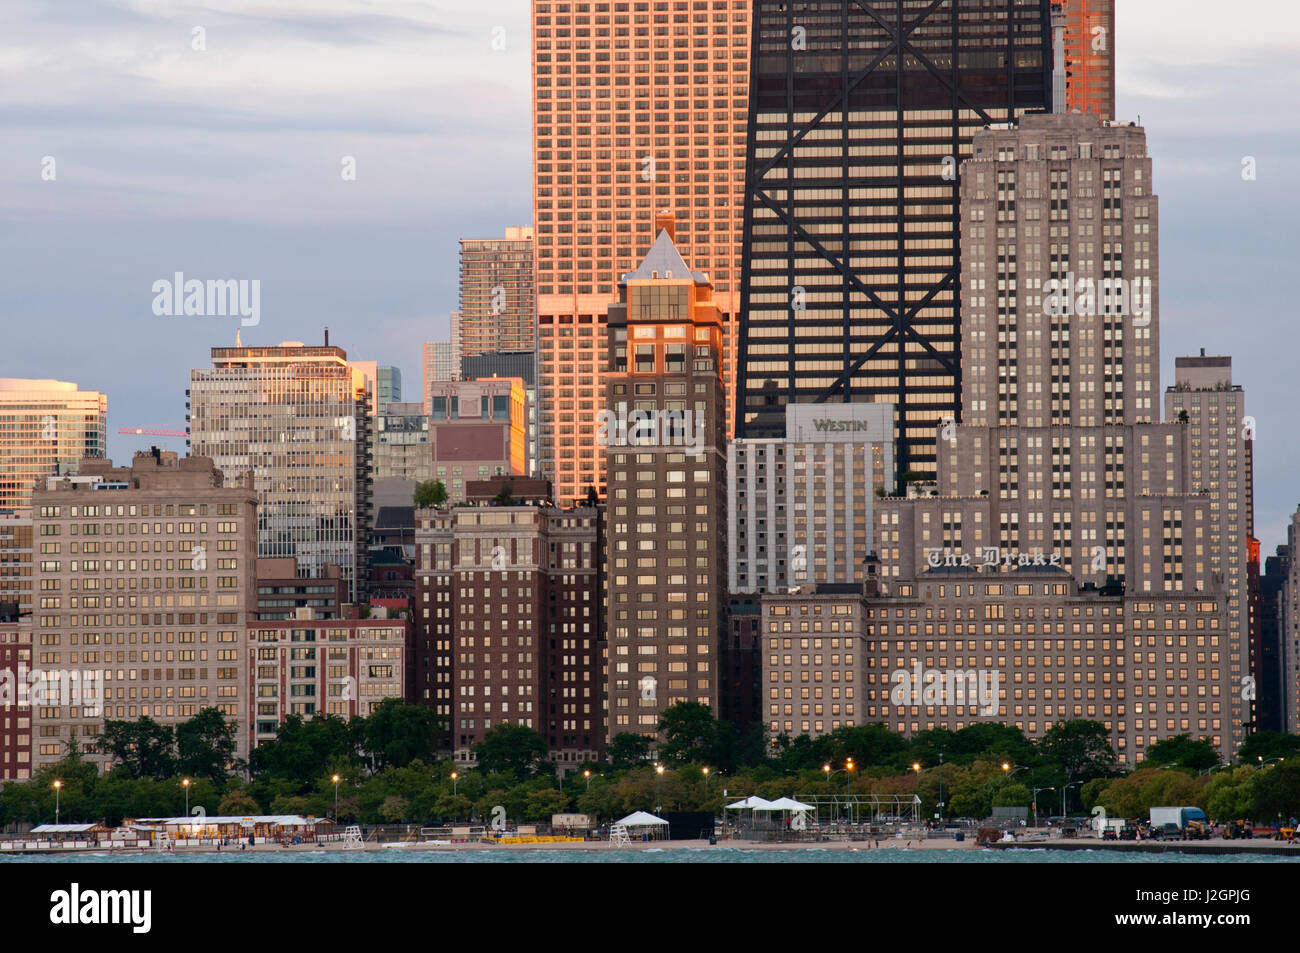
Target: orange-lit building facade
{"x": 1089, "y": 55}
{"x": 637, "y": 107}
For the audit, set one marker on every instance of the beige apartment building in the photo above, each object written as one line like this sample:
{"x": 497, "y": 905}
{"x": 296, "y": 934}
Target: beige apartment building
{"x": 1219, "y": 437}
{"x": 637, "y": 108}
{"x": 665, "y": 433}
{"x": 1028, "y": 648}
{"x": 46, "y": 427}
{"x": 307, "y": 666}
{"x": 146, "y": 576}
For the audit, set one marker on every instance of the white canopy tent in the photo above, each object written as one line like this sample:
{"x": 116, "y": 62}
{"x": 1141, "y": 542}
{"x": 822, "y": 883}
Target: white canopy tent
{"x": 639, "y": 825}
{"x": 752, "y": 803}
{"x": 790, "y": 804}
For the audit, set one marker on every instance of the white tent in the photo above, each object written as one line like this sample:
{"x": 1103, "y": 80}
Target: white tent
{"x": 753, "y": 803}
{"x": 642, "y": 819}
{"x": 638, "y": 826}
{"x": 789, "y": 804}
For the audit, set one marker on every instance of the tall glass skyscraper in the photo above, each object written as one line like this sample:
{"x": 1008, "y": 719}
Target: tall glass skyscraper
{"x": 298, "y": 417}
{"x": 860, "y": 115}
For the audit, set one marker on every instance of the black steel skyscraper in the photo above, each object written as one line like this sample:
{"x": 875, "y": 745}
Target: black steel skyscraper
{"x": 861, "y": 112}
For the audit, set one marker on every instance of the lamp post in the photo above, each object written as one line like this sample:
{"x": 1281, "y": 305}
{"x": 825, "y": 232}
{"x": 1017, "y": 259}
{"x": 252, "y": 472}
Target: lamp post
{"x": 587, "y": 774}
{"x": 57, "y": 786}
{"x": 336, "y": 779}
{"x": 1036, "y": 790}
{"x": 454, "y": 778}
{"x": 185, "y": 783}
{"x": 659, "y": 773}
{"x": 941, "y": 790}
{"x": 1064, "y": 791}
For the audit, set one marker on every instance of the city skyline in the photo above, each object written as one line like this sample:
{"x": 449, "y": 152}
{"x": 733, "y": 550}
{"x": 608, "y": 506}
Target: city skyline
{"x": 1177, "y": 65}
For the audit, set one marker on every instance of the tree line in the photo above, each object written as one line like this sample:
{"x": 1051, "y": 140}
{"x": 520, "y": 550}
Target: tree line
{"x": 388, "y": 770}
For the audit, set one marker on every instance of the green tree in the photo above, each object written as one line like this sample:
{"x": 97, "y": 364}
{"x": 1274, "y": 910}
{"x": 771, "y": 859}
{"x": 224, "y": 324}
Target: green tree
{"x": 1181, "y": 751}
{"x": 141, "y": 749}
{"x": 540, "y": 805}
{"x": 303, "y": 750}
{"x": 394, "y": 809}
{"x": 1277, "y": 793}
{"x": 205, "y": 746}
{"x": 238, "y": 803}
{"x": 516, "y": 750}
{"x": 430, "y": 493}
{"x": 1012, "y": 795}
{"x": 690, "y": 733}
{"x": 626, "y": 750}
{"x": 1265, "y": 745}
{"x": 395, "y": 734}
{"x": 1081, "y": 749}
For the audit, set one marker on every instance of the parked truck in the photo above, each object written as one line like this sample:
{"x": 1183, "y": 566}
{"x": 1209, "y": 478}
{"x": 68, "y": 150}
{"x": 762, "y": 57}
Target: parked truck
{"x": 1179, "y": 823}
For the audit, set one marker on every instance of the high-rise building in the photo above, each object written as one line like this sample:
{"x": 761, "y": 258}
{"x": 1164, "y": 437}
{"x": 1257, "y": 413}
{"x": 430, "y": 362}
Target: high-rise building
{"x": 850, "y": 290}
{"x": 402, "y": 445}
{"x": 388, "y": 389}
{"x": 1290, "y": 635}
{"x": 1217, "y": 427}
{"x": 477, "y": 430}
{"x": 802, "y": 507}
{"x": 1060, "y": 464}
{"x": 299, "y": 419}
{"x": 46, "y": 427}
{"x": 17, "y": 565}
{"x": 629, "y": 118}
{"x": 158, "y": 634}
{"x": 507, "y": 619}
{"x": 665, "y": 433}
{"x": 497, "y": 307}
{"x": 1268, "y": 675}
{"x": 1089, "y": 46}
{"x": 441, "y": 363}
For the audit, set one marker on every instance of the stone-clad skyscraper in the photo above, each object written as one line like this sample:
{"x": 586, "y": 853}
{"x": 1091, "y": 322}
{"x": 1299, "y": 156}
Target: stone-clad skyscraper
{"x": 1060, "y": 454}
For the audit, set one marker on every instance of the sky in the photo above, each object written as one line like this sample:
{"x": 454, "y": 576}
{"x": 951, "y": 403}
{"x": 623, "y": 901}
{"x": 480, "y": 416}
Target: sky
{"x": 209, "y": 137}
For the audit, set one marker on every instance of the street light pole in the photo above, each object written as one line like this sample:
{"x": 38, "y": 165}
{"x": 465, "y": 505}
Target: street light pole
{"x": 336, "y": 780}
{"x": 185, "y": 783}
{"x": 940, "y": 790}
{"x": 587, "y": 774}
{"x": 659, "y": 773}
{"x": 455, "y": 777}
{"x": 1036, "y": 790}
{"x": 1064, "y": 790}
{"x": 57, "y": 786}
